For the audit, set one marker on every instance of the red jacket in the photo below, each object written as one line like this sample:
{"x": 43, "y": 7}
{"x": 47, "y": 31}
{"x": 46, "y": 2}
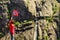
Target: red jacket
{"x": 12, "y": 28}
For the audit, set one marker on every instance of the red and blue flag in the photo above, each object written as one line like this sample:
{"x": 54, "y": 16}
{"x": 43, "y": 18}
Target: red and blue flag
{"x": 15, "y": 12}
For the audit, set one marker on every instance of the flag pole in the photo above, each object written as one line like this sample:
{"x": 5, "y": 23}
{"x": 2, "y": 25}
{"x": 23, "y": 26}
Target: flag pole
{"x": 11, "y": 18}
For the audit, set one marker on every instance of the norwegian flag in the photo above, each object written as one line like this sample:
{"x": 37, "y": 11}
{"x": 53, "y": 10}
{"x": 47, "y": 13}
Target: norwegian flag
{"x": 15, "y": 12}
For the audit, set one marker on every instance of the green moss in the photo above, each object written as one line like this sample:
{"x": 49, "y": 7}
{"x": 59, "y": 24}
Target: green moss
{"x": 55, "y": 8}
{"x": 46, "y": 38}
{"x": 59, "y": 39}
{"x": 17, "y": 23}
{"x": 24, "y": 22}
{"x": 1, "y": 34}
{"x": 0, "y": 16}
{"x": 49, "y": 19}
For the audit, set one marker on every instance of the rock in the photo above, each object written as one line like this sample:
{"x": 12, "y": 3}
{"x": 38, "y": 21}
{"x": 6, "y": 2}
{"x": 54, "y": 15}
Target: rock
{"x": 58, "y": 1}
{"x": 28, "y": 10}
{"x": 46, "y": 9}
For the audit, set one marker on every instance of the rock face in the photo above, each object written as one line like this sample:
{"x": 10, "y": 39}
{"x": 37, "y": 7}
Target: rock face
{"x": 58, "y": 1}
{"x": 48, "y": 27}
{"x": 46, "y": 9}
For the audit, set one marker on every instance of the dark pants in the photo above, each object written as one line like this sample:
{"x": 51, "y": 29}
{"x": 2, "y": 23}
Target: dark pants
{"x": 12, "y": 36}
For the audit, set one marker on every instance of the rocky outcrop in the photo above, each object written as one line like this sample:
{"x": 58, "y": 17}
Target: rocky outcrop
{"x": 47, "y": 26}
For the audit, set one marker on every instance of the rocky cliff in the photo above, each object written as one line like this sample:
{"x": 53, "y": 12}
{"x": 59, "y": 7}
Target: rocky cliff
{"x": 49, "y": 19}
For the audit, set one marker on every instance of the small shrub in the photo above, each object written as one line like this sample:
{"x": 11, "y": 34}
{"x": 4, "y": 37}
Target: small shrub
{"x": 17, "y": 23}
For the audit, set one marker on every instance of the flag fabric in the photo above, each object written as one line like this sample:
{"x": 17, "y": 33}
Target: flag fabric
{"x": 15, "y": 13}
